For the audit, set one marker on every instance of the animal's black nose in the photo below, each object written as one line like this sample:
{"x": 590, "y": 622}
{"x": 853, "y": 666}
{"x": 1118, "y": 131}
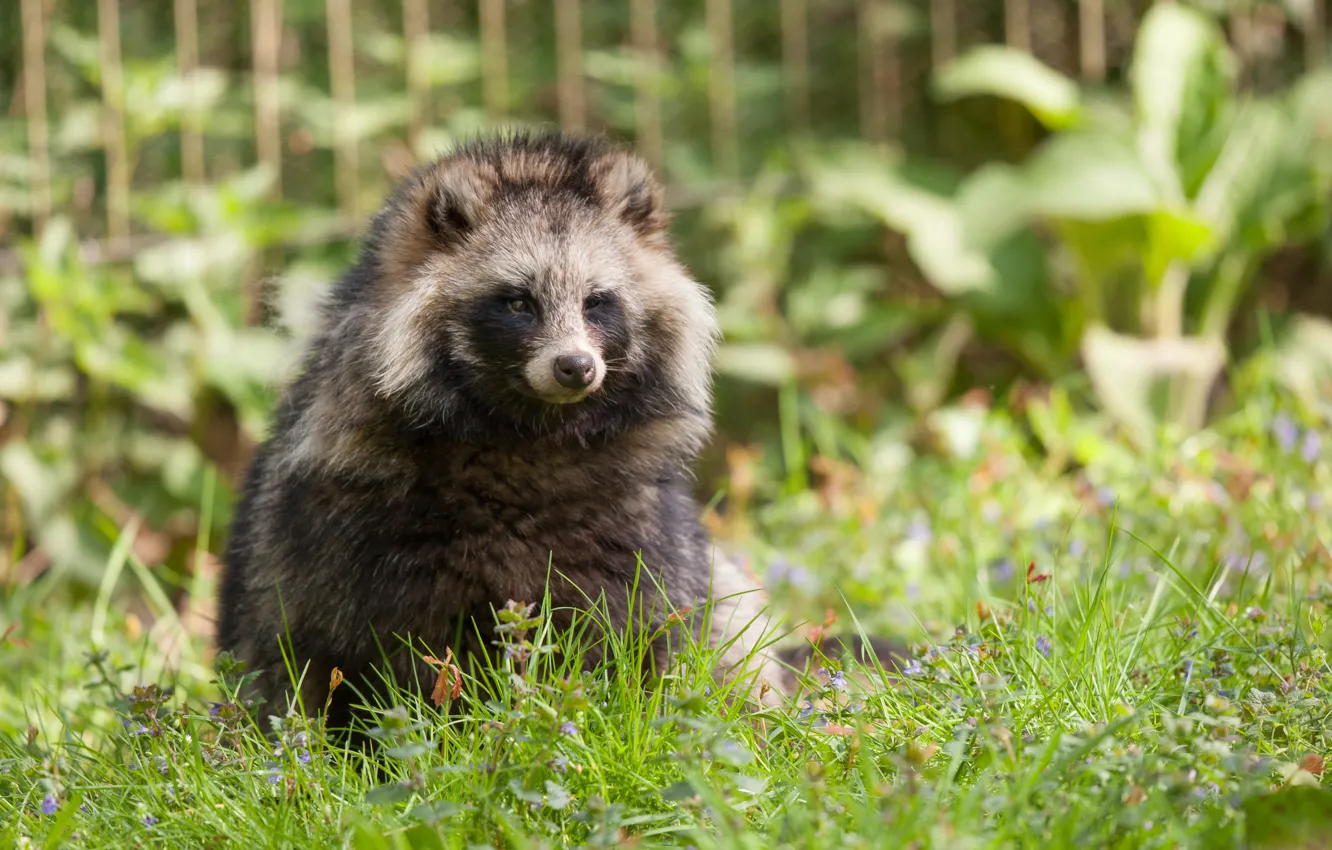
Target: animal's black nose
{"x": 575, "y": 371}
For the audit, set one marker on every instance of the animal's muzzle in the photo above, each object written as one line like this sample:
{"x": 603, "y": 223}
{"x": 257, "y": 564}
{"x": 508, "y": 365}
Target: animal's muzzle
{"x": 575, "y": 371}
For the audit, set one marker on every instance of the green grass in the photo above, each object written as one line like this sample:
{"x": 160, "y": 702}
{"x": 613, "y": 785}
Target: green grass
{"x": 1157, "y": 678}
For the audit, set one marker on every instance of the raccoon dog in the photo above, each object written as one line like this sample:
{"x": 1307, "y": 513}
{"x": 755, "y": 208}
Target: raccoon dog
{"x": 509, "y": 384}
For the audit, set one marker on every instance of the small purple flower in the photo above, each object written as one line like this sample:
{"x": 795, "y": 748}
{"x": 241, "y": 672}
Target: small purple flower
{"x": 1003, "y": 570}
{"x": 991, "y": 512}
{"x": 1043, "y": 645}
{"x": 567, "y": 728}
{"x": 1311, "y": 446}
{"x": 1286, "y": 431}
{"x": 838, "y": 680}
{"x": 1251, "y": 562}
{"x": 1077, "y": 548}
{"x": 913, "y": 668}
{"x": 808, "y": 709}
{"x": 303, "y": 756}
{"x": 49, "y": 805}
{"x": 1031, "y": 605}
{"x": 784, "y": 572}
{"x": 559, "y": 764}
{"x": 149, "y": 820}
{"x": 1105, "y": 497}
{"x": 919, "y": 530}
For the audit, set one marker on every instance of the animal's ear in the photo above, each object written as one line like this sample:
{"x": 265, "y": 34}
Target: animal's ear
{"x": 628, "y": 188}
{"x": 459, "y": 193}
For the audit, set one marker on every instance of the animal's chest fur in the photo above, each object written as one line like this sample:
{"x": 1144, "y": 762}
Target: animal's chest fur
{"x": 481, "y": 527}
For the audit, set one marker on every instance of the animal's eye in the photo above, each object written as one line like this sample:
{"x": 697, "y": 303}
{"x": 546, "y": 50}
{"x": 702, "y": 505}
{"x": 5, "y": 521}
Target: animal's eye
{"x": 594, "y": 301}
{"x": 520, "y": 305}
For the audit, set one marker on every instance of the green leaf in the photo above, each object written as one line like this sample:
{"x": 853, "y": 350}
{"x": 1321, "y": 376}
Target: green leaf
{"x": 422, "y": 836}
{"x": 931, "y": 221}
{"x": 365, "y": 836}
{"x": 1103, "y": 248}
{"x": 750, "y": 784}
{"x": 993, "y": 203}
{"x": 408, "y": 750}
{"x": 1303, "y": 358}
{"x": 524, "y": 794}
{"x": 1089, "y": 175}
{"x": 1178, "y": 76}
{"x": 762, "y": 363}
{"x": 678, "y": 791}
{"x": 1014, "y": 74}
{"x": 1173, "y": 236}
{"x": 1145, "y": 383}
{"x": 556, "y": 796}
{"x": 437, "y": 810}
{"x": 387, "y": 794}
{"x": 1241, "y": 178}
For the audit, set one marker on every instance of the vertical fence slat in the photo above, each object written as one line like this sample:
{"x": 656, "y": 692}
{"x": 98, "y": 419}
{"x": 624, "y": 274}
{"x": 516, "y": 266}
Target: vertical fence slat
{"x": 943, "y": 31}
{"x": 873, "y": 118}
{"x": 494, "y": 68}
{"x": 342, "y": 81}
{"x": 1241, "y": 41}
{"x": 721, "y": 88}
{"x": 1315, "y": 37}
{"x": 795, "y": 63}
{"x": 569, "y": 65}
{"x": 187, "y": 60}
{"x": 266, "y": 43}
{"x": 888, "y": 81}
{"x": 113, "y": 101}
{"x": 415, "y": 27}
{"x": 34, "y": 108}
{"x": 879, "y": 74}
{"x": 1091, "y": 39}
{"x": 1017, "y": 24}
{"x": 266, "y": 38}
{"x": 647, "y": 105}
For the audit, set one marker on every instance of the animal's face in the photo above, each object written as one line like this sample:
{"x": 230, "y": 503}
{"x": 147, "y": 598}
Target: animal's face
{"x": 534, "y": 286}
{"x": 542, "y": 302}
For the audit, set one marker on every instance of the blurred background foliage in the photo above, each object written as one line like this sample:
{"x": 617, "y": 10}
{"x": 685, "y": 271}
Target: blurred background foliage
{"x": 1076, "y": 210}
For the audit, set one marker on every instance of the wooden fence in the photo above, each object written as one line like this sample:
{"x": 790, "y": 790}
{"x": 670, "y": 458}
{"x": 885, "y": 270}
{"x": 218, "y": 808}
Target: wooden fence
{"x": 896, "y": 45}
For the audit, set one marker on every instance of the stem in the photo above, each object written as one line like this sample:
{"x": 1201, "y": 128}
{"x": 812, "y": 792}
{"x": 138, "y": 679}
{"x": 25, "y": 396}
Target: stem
{"x": 1170, "y": 301}
{"x": 1230, "y": 279}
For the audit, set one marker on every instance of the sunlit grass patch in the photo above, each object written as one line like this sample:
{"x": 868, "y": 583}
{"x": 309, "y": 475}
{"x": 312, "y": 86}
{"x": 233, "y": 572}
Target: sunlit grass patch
{"x": 1133, "y": 653}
